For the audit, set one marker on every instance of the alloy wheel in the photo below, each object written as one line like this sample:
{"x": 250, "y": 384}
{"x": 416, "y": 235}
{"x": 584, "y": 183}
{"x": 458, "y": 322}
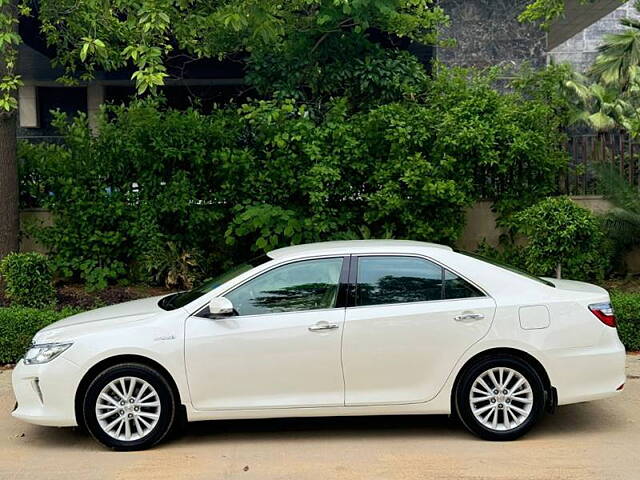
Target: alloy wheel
{"x": 501, "y": 399}
{"x": 128, "y": 408}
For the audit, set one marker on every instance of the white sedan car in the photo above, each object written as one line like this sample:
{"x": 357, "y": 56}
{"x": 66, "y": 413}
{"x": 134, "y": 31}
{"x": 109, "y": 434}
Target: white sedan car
{"x": 339, "y": 328}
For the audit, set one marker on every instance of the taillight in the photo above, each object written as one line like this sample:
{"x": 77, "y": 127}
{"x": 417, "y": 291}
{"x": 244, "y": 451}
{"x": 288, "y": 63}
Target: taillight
{"x": 604, "y": 312}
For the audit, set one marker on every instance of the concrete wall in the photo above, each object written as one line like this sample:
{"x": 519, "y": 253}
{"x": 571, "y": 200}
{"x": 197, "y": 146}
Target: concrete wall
{"x": 481, "y": 225}
{"x": 581, "y": 49}
{"x": 481, "y": 221}
{"x": 37, "y": 216}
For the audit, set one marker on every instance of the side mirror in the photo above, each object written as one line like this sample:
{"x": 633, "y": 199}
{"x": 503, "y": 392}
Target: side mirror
{"x": 220, "y": 307}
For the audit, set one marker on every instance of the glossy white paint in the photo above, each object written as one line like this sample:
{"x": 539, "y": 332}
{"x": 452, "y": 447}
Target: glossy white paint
{"x": 264, "y": 361}
{"x": 391, "y": 359}
{"x": 404, "y": 353}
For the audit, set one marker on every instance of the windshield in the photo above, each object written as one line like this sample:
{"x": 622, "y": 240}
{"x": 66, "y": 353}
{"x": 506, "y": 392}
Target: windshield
{"x": 180, "y": 299}
{"x": 508, "y": 267}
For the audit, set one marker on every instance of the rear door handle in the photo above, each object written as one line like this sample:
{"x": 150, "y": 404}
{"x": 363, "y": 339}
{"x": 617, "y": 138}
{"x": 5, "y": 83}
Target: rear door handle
{"x": 320, "y": 326}
{"x": 468, "y": 316}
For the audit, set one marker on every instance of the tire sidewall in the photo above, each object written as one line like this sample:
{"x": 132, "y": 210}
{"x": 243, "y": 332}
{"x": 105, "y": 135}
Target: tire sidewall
{"x": 463, "y": 406}
{"x": 167, "y": 406}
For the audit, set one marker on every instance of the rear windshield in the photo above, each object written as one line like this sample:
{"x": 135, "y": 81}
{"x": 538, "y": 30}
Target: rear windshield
{"x": 508, "y": 267}
{"x": 180, "y": 299}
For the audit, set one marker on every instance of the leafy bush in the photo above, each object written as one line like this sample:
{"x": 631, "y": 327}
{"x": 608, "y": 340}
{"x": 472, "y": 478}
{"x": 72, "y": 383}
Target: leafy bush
{"x": 627, "y": 308}
{"x": 347, "y": 65}
{"x": 28, "y": 279}
{"x": 506, "y": 253}
{"x": 18, "y": 325}
{"x": 563, "y": 238}
{"x": 238, "y": 181}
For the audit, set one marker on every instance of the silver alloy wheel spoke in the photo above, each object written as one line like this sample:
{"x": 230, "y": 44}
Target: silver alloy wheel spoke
{"x": 501, "y": 399}
{"x": 128, "y": 408}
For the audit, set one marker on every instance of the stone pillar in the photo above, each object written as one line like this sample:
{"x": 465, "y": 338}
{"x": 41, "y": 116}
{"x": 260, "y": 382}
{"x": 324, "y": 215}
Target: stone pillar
{"x": 95, "y": 98}
{"x": 28, "y": 107}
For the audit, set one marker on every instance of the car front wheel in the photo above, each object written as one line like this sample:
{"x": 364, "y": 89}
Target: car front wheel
{"x": 500, "y": 398}
{"x": 129, "y": 407}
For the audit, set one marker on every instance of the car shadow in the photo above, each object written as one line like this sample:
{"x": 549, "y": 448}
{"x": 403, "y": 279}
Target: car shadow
{"x": 325, "y": 428}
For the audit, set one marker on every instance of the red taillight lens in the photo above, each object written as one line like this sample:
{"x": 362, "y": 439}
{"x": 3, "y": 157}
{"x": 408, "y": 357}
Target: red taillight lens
{"x": 604, "y": 312}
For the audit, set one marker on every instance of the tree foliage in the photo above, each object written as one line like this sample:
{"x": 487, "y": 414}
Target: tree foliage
{"x": 618, "y": 61}
{"x": 116, "y": 34}
{"x": 622, "y": 222}
{"x": 545, "y": 12}
{"x": 608, "y": 96}
{"x": 9, "y": 41}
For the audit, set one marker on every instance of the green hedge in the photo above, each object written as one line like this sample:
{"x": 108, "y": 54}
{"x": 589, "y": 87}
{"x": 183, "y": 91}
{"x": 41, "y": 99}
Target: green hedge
{"x": 627, "y": 308}
{"x": 162, "y": 191}
{"x": 28, "y": 279}
{"x": 18, "y": 325}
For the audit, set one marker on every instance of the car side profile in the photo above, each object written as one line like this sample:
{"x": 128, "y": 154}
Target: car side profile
{"x": 370, "y": 327}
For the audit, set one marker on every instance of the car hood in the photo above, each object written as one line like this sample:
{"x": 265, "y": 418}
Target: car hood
{"x": 134, "y": 310}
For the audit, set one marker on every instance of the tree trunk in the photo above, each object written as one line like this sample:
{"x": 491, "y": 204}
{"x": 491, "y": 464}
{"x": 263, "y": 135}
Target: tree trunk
{"x": 9, "y": 207}
{"x": 559, "y": 270}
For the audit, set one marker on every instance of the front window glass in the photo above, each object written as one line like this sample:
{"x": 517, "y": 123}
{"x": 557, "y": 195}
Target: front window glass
{"x": 304, "y": 285}
{"x": 385, "y": 280}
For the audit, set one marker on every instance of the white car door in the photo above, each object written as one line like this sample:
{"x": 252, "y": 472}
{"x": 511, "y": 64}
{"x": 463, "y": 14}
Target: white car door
{"x": 282, "y": 349}
{"x": 411, "y": 322}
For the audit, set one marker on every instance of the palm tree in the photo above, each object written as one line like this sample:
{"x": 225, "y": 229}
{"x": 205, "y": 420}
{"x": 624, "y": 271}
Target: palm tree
{"x": 599, "y": 106}
{"x": 623, "y": 221}
{"x": 619, "y": 57}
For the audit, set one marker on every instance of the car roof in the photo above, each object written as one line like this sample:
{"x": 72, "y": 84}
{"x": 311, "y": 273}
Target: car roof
{"x": 351, "y": 246}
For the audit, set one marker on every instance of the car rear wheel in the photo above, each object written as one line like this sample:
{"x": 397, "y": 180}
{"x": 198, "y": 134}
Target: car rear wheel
{"x": 129, "y": 407}
{"x": 500, "y": 398}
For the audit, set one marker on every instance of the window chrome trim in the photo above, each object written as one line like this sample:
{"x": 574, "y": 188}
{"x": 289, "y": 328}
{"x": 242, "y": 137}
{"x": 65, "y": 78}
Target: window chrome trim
{"x": 422, "y": 302}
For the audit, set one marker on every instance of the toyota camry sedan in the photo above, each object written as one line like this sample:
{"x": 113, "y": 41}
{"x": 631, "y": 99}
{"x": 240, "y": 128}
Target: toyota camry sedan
{"x": 339, "y": 328}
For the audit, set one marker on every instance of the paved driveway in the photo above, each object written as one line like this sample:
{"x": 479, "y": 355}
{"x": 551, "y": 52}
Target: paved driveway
{"x": 595, "y": 440}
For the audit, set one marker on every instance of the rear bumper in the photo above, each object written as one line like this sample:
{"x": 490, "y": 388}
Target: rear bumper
{"x": 45, "y": 394}
{"x": 590, "y": 373}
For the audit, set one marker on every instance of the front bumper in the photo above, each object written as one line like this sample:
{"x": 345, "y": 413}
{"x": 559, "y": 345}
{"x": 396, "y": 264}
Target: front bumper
{"x": 45, "y": 393}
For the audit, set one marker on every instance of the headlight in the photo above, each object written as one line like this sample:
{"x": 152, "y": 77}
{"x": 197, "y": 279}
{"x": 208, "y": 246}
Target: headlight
{"x": 44, "y": 353}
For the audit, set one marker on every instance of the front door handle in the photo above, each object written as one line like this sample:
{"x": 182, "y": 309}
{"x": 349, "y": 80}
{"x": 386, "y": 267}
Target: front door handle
{"x": 468, "y": 316}
{"x": 320, "y": 326}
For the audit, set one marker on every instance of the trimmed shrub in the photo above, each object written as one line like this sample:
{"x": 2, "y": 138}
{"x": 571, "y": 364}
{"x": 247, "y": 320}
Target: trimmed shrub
{"x": 627, "y": 308}
{"x": 18, "y": 325}
{"x": 28, "y": 279}
{"x": 563, "y": 238}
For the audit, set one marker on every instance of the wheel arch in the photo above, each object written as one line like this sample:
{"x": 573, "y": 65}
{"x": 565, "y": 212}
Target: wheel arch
{"x": 550, "y": 391}
{"x": 116, "y": 360}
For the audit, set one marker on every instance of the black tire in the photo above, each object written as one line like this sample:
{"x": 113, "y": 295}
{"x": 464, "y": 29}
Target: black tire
{"x": 463, "y": 390}
{"x": 168, "y": 406}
